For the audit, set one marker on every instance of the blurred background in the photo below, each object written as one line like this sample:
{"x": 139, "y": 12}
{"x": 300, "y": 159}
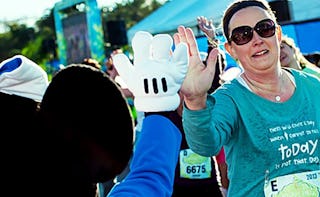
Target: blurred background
{"x": 59, "y": 32}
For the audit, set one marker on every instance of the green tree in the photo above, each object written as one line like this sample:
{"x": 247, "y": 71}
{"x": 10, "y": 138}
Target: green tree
{"x": 27, "y": 41}
{"x": 38, "y": 43}
{"x": 130, "y": 11}
{"x": 13, "y": 41}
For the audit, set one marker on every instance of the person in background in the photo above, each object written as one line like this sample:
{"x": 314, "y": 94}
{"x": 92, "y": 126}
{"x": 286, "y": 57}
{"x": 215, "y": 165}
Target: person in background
{"x": 84, "y": 140}
{"x": 113, "y": 74}
{"x": 223, "y": 172}
{"x": 207, "y": 27}
{"x": 259, "y": 117}
{"x": 22, "y": 86}
{"x": 104, "y": 188}
{"x": 221, "y": 75}
{"x": 290, "y": 56}
{"x": 22, "y": 77}
{"x": 83, "y": 147}
{"x": 223, "y": 72}
{"x": 137, "y": 116}
{"x": 92, "y": 62}
{"x": 314, "y": 58}
{"x": 195, "y": 175}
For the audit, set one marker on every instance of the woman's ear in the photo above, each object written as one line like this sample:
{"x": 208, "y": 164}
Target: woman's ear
{"x": 230, "y": 50}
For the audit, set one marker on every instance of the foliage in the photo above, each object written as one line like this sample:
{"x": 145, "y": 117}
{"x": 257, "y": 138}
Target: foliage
{"x": 12, "y": 42}
{"x": 38, "y": 43}
{"x": 130, "y": 11}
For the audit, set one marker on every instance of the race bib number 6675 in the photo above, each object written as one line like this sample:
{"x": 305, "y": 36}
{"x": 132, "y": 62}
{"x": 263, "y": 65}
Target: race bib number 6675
{"x": 194, "y": 166}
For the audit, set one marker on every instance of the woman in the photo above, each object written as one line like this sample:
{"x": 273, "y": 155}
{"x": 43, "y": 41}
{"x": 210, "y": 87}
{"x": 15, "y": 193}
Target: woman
{"x": 290, "y": 56}
{"x": 267, "y": 119}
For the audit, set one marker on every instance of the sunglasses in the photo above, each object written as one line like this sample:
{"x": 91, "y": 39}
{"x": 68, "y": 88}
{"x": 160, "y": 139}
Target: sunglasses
{"x": 244, "y": 34}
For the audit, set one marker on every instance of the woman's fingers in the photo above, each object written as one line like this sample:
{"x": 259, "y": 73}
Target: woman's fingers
{"x": 182, "y": 34}
{"x": 212, "y": 59}
{"x": 191, "y": 40}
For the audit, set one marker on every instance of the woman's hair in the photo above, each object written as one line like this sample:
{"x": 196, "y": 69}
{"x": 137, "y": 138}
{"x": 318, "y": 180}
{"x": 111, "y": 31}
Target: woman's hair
{"x": 240, "y": 4}
{"x": 298, "y": 55}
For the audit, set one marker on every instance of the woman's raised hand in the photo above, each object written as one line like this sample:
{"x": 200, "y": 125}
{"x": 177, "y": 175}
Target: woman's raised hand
{"x": 199, "y": 77}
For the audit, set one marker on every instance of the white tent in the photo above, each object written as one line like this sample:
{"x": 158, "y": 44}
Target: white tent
{"x": 184, "y": 12}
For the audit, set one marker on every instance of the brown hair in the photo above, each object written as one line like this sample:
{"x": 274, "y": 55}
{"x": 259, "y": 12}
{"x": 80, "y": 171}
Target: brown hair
{"x": 238, "y": 5}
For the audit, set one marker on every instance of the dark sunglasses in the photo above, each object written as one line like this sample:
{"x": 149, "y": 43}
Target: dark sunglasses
{"x": 244, "y": 34}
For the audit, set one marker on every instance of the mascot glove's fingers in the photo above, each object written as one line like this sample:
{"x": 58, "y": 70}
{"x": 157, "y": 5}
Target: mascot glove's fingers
{"x": 161, "y": 47}
{"x": 141, "y": 44}
{"x": 157, "y": 73}
{"x": 125, "y": 69}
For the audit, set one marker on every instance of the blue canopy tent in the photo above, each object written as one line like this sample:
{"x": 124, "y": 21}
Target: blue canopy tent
{"x": 304, "y": 26}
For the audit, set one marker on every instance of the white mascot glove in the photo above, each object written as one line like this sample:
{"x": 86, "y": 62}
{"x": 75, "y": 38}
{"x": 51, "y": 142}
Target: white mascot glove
{"x": 157, "y": 73}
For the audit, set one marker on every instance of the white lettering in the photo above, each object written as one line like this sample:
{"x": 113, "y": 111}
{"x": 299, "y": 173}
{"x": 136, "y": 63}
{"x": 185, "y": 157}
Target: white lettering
{"x": 300, "y": 161}
{"x": 314, "y": 146}
{"x": 277, "y": 138}
{"x": 294, "y": 135}
{"x": 296, "y": 148}
{"x": 299, "y": 124}
{"x": 275, "y": 129}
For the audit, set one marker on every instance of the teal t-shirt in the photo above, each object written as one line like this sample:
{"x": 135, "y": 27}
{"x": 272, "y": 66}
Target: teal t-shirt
{"x": 314, "y": 71}
{"x": 263, "y": 140}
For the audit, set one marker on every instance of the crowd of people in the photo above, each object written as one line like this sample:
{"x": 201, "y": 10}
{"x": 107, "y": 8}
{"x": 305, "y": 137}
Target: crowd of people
{"x": 175, "y": 125}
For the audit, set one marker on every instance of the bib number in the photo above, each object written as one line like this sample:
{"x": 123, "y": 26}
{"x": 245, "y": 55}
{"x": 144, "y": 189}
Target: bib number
{"x": 194, "y": 166}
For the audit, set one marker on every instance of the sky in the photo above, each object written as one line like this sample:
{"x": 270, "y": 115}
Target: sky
{"x": 28, "y": 11}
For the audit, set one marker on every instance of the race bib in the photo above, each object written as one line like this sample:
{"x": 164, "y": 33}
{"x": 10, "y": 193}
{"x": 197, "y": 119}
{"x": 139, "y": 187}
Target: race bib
{"x": 194, "y": 166}
{"x": 306, "y": 184}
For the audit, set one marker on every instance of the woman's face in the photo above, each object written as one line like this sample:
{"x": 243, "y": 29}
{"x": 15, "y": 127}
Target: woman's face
{"x": 259, "y": 53}
{"x": 286, "y": 55}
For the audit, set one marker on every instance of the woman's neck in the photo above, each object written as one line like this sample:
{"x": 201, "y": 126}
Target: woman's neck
{"x": 274, "y": 88}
